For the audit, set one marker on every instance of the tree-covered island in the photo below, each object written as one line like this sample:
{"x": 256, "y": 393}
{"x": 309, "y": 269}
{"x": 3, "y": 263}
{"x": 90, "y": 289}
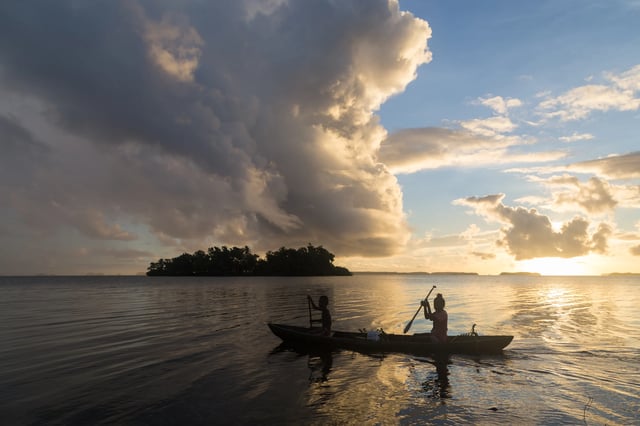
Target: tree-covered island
{"x": 224, "y": 261}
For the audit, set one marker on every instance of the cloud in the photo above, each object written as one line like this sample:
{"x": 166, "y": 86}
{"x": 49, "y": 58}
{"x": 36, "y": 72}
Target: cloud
{"x": 628, "y": 80}
{"x": 218, "y": 122}
{"x": 577, "y": 137}
{"x": 412, "y": 150}
{"x": 635, "y": 250}
{"x": 626, "y": 166}
{"x": 499, "y": 104}
{"x": 528, "y": 234}
{"x": 619, "y": 93}
{"x": 122, "y": 254}
{"x": 484, "y": 256}
{"x": 597, "y": 195}
{"x": 594, "y": 196}
{"x": 476, "y": 142}
{"x": 489, "y": 127}
{"x": 174, "y": 46}
{"x": 19, "y": 149}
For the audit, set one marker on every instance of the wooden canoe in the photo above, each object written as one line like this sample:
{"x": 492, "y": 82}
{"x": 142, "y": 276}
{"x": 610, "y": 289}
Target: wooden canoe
{"x": 417, "y": 344}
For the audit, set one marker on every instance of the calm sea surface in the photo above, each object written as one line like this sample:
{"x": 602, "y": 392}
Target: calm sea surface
{"x": 139, "y": 350}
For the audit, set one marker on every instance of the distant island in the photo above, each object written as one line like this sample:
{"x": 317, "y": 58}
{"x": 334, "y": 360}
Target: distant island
{"x": 622, "y": 274}
{"x": 236, "y": 261}
{"x": 412, "y": 273}
{"x": 528, "y": 274}
{"x": 453, "y": 273}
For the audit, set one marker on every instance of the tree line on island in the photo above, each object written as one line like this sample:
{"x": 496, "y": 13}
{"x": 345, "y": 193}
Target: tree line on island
{"x": 224, "y": 261}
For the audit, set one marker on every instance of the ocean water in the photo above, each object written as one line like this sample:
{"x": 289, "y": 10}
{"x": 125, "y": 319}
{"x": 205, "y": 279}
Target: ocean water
{"x": 158, "y": 351}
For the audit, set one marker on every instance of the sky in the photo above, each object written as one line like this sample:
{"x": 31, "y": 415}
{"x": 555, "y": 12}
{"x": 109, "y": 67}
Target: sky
{"x": 405, "y": 136}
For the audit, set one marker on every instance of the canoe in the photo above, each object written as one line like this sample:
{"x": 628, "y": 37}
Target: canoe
{"x": 417, "y": 344}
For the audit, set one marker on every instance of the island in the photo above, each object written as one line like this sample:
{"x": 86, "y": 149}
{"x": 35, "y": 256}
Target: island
{"x": 412, "y": 273}
{"x": 622, "y": 274}
{"x": 526, "y": 274}
{"x": 237, "y": 261}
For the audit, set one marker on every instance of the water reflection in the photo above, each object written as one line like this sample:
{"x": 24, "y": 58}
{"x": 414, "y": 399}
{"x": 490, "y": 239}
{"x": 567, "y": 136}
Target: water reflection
{"x": 319, "y": 362}
{"x": 320, "y": 367}
{"x": 377, "y": 386}
{"x": 436, "y": 386}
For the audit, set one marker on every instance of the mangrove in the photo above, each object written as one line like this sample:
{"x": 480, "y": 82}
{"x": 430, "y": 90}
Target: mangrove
{"x": 236, "y": 261}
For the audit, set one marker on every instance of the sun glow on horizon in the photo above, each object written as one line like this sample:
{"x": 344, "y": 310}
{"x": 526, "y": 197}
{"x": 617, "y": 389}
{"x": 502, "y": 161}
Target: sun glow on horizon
{"x": 558, "y": 266}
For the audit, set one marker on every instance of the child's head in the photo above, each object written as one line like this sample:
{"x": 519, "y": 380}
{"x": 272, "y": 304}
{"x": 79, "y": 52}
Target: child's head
{"x": 323, "y": 301}
{"x": 438, "y": 302}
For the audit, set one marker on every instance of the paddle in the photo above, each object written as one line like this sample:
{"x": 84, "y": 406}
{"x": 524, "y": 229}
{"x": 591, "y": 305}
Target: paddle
{"x": 408, "y": 326}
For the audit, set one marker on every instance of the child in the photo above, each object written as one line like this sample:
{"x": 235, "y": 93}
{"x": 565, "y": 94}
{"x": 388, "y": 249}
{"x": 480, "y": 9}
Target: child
{"x": 439, "y": 318}
{"x": 323, "y": 302}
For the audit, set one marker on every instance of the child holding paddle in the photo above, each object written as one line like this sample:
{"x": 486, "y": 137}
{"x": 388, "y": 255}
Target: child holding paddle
{"x": 323, "y": 302}
{"x": 439, "y": 318}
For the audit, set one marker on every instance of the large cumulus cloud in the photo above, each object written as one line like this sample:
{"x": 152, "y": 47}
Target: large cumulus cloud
{"x": 236, "y": 122}
{"x": 527, "y": 234}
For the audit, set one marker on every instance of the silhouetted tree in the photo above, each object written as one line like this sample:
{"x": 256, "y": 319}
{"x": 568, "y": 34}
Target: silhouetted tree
{"x": 223, "y": 261}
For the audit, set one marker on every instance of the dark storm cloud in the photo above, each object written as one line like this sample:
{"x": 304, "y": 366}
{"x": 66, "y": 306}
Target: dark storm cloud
{"x": 227, "y": 122}
{"x": 18, "y": 148}
{"x": 91, "y": 63}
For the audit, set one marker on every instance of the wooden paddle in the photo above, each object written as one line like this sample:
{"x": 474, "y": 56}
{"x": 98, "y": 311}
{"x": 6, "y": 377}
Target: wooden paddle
{"x": 408, "y": 326}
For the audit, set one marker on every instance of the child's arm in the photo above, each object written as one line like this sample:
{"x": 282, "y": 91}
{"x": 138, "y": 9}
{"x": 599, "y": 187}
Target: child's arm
{"x": 427, "y": 308}
{"x": 313, "y": 305}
